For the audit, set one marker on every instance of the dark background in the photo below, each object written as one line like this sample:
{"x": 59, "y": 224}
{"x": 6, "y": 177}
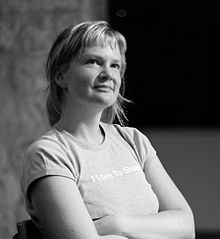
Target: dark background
{"x": 172, "y": 78}
{"x": 173, "y": 62}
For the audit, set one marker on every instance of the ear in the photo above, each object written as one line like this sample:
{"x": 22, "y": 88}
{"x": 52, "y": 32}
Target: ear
{"x": 59, "y": 79}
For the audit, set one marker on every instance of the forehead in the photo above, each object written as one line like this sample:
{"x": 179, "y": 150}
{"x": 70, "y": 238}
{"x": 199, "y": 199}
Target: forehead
{"x": 103, "y": 50}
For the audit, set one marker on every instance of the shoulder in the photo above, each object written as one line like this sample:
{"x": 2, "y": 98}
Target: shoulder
{"x": 47, "y": 153}
{"x": 130, "y": 131}
{"x": 50, "y": 142}
{"x": 133, "y": 134}
{"x": 134, "y": 137}
{"x": 46, "y": 156}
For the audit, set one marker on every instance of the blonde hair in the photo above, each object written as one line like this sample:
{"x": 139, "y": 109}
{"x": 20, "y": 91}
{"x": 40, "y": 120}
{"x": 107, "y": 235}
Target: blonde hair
{"x": 66, "y": 48}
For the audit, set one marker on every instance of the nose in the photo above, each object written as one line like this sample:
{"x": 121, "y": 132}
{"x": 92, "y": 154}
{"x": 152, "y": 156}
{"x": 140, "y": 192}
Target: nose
{"x": 105, "y": 74}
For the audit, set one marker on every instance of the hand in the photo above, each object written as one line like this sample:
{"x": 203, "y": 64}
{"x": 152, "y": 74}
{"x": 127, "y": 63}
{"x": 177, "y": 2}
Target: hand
{"x": 109, "y": 225}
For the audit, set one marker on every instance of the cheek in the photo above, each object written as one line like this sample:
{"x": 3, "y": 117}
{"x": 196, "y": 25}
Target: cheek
{"x": 118, "y": 82}
{"x": 76, "y": 86}
{"x": 80, "y": 80}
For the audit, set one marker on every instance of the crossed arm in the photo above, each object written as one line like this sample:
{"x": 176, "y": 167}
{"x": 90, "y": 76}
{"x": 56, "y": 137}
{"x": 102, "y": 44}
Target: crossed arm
{"x": 61, "y": 210}
{"x": 173, "y": 221}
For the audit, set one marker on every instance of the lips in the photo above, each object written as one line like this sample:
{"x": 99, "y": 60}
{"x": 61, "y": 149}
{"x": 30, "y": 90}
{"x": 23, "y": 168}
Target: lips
{"x": 103, "y": 87}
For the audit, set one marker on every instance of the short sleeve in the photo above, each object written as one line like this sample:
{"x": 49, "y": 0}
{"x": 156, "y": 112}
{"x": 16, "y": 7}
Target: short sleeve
{"x": 145, "y": 149}
{"x": 45, "y": 158}
{"x": 140, "y": 143}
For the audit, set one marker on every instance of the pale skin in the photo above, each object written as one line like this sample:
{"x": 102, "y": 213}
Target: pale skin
{"x": 57, "y": 200}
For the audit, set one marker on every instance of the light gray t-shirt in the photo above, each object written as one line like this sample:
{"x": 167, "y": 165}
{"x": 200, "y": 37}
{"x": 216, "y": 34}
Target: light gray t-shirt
{"x": 110, "y": 176}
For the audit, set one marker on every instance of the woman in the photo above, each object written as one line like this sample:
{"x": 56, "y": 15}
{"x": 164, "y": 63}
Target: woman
{"x": 87, "y": 177}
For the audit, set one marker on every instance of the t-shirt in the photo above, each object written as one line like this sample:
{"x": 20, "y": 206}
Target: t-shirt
{"x": 110, "y": 176}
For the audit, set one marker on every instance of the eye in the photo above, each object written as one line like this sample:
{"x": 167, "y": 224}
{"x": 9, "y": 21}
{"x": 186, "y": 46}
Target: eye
{"x": 116, "y": 66}
{"x": 92, "y": 61}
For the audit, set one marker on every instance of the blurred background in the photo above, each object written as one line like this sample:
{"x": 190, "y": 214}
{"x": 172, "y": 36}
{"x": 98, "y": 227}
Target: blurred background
{"x": 172, "y": 76}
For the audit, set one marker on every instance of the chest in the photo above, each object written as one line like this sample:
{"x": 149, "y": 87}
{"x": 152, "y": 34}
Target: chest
{"x": 112, "y": 181}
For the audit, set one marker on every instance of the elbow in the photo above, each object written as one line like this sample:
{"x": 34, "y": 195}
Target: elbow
{"x": 189, "y": 232}
{"x": 192, "y": 231}
{"x": 186, "y": 231}
{"x": 189, "y": 235}
{"x": 185, "y": 226}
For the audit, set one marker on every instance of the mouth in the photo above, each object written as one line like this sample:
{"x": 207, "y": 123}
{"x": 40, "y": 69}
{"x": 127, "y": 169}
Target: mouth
{"x": 103, "y": 87}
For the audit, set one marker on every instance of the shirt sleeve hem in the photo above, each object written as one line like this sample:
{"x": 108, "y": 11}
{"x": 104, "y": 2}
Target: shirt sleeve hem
{"x": 44, "y": 173}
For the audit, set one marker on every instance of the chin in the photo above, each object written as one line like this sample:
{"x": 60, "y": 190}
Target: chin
{"x": 105, "y": 102}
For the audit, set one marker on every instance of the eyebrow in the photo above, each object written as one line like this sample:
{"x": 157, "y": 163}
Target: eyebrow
{"x": 86, "y": 55}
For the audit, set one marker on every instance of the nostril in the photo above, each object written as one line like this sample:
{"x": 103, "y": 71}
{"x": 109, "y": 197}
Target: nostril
{"x": 104, "y": 76}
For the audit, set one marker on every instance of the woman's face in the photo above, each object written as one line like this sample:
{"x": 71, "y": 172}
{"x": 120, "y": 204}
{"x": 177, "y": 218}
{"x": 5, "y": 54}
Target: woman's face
{"x": 93, "y": 79}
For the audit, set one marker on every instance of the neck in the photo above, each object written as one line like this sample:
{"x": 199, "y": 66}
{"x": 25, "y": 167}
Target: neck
{"x": 82, "y": 124}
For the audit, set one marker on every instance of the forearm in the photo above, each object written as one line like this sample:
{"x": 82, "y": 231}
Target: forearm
{"x": 170, "y": 224}
{"x": 113, "y": 237}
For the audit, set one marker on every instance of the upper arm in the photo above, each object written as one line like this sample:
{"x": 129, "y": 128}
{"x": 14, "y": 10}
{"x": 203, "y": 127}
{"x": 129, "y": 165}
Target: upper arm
{"x": 167, "y": 192}
{"x": 61, "y": 210}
